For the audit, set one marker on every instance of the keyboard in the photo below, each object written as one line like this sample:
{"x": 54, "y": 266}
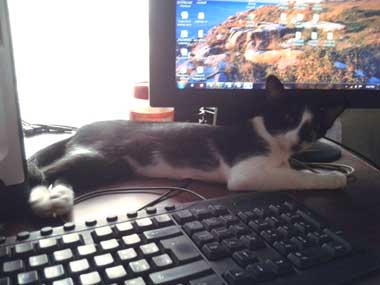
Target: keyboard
{"x": 247, "y": 239}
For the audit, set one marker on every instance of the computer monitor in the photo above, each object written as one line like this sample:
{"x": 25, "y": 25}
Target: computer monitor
{"x": 12, "y": 158}
{"x": 219, "y": 52}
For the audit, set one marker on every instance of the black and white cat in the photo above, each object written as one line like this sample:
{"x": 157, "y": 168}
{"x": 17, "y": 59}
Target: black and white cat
{"x": 249, "y": 156}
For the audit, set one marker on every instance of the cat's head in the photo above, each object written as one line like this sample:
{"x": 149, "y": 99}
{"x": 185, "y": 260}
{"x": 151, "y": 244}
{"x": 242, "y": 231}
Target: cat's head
{"x": 293, "y": 119}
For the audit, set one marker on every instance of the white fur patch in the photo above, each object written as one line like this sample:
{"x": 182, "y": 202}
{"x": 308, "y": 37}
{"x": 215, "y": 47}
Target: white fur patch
{"x": 48, "y": 203}
{"x": 161, "y": 169}
{"x": 82, "y": 151}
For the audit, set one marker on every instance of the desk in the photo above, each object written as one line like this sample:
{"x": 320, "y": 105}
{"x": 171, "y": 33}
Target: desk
{"x": 355, "y": 210}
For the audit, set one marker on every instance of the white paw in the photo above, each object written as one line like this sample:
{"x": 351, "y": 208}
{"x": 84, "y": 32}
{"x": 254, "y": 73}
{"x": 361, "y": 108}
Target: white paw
{"x": 48, "y": 203}
{"x": 62, "y": 199}
{"x": 39, "y": 201}
{"x": 336, "y": 180}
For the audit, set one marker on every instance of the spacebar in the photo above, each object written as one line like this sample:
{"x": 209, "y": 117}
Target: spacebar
{"x": 179, "y": 273}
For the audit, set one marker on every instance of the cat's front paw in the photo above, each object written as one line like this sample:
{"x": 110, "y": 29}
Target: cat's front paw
{"x": 335, "y": 180}
{"x": 49, "y": 203}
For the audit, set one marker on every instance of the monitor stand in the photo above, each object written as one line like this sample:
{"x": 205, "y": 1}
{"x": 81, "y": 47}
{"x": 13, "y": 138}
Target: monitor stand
{"x": 319, "y": 152}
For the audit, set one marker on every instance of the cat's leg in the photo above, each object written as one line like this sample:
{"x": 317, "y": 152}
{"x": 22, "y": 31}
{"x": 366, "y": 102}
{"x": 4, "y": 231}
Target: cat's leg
{"x": 263, "y": 178}
{"x": 71, "y": 172}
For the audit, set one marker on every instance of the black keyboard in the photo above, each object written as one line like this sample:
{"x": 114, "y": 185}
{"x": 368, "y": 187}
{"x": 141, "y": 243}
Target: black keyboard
{"x": 247, "y": 239}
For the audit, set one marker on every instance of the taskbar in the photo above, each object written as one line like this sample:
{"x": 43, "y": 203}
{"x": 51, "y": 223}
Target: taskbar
{"x": 261, "y": 85}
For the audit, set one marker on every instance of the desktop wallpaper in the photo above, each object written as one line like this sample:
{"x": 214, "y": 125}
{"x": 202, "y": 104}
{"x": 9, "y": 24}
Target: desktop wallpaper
{"x": 319, "y": 44}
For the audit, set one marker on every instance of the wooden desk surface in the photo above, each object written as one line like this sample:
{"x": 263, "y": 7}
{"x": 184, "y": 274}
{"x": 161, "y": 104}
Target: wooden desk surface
{"x": 355, "y": 210}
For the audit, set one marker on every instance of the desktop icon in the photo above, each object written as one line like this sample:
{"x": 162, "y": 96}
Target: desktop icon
{"x": 314, "y": 35}
{"x": 315, "y": 18}
{"x": 299, "y": 17}
{"x": 200, "y": 69}
{"x": 201, "y": 34}
{"x": 283, "y": 17}
{"x": 184, "y": 15}
{"x": 298, "y": 36}
{"x": 181, "y": 85}
{"x": 184, "y": 51}
{"x": 330, "y": 36}
{"x": 201, "y": 16}
{"x": 184, "y": 34}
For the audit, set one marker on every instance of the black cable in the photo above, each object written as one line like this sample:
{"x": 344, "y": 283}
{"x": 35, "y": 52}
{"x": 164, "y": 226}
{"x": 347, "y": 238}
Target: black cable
{"x": 356, "y": 153}
{"x": 167, "y": 195}
{"x": 131, "y": 190}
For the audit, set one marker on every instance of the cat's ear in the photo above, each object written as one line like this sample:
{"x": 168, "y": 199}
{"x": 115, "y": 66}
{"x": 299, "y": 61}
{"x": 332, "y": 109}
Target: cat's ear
{"x": 274, "y": 86}
{"x": 330, "y": 113}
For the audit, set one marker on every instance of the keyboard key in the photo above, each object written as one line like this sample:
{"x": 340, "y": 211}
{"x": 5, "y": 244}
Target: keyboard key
{"x": 135, "y": 281}
{"x": 270, "y": 235}
{"x": 181, "y": 247}
{"x": 318, "y": 225}
{"x": 66, "y": 281}
{"x": 11, "y": 267}
{"x": 103, "y": 260}
{"x": 63, "y": 255}
{"x": 109, "y": 245}
{"x": 240, "y": 229}
{"x": 162, "y": 261}
{"x": 335, "y": 249}
{"x": 5, "y": 281}
{"x": 54, "y": 272}
{"x": 208, "y": 280}
{"x": 116, "y": 273}
{"x": 213, "y": 223}
{"x": 71, "y": 240}
{"x": 87, "y": 250}
{"x": 238, "y": 277}
{"x": 290, "y": 218}
{"x": 247, "y": 216}
{"x": 162, "y": 233}
{"x": 280, "y": 266}
{"x": 215, "y": 251}
{"x": 183, "y": 217}
{"x": 102, "y": 233}
{"x": 201, "y": 213}
{"x": 202, "y": 238}
{"x": 5, "y": 253}
{"x": 177, "y": 274}
{"x": 230, "y": 220}
{"x": 144, "y": 224}
{"x": 284, "y": 247}
{"x": 258, "y": 225}
{"x": 79, "y": 266}
{"x": 131, "y": 240}
{"x": 261, "y": 271}
{"x": 124, "y": 228}
{"x": 38, "y": 261}
{"x": 245, "y": 257}
{"x": 218, "y": 209}
{"x": 276, "y": 209}
{"x": 309, "y": 257}
{"x": 29, "y": 278}
{"x": 300, "y": 242}
{"x": 222, "y": 233}
{"x": 127, "y": 254}
{"x": 92, "y": 278}
{"x": 253, "y": 242}
{"x": 139, "y": 266}
{"x": 273, "y": 221}
{"x": 233, "y": 244}
{"x": 290, "y": 206}
{"x": 23, "y": 249}
{"x": 163, "y": 220}
{"x": 193, "y": 227}
{"x": 303, "y": 228}
{"x": 149, "y": 249}
{"x": 261, "y": 213}
{"x": 47, "y": 245}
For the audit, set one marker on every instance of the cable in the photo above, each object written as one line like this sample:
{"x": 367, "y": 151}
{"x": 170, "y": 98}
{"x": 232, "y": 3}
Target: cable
{"x": 167, "y": 195}
{"x": 35, "y": 129}
{"x": 356, "y": 153}
{"x": 130, "y": 190}
{"x": 315, "y": 166}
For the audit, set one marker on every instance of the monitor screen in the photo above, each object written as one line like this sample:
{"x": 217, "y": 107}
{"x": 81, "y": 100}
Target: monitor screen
{"x": 307, "y": 44}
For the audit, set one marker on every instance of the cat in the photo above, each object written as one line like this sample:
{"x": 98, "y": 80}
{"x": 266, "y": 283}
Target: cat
{"x": 250, "y": 156}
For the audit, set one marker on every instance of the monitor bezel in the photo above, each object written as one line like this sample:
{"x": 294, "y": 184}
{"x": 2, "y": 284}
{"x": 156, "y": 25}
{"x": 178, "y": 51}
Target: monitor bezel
{"x": 164, "y": 92}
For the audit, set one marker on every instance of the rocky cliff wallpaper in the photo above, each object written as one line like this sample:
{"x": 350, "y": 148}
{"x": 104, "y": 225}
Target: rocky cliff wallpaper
{"x": 310, "y": 44}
